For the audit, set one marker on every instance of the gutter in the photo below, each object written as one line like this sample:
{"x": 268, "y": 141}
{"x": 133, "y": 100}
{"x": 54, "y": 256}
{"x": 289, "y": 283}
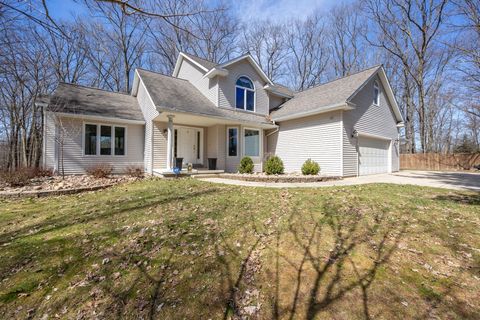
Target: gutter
{"x": 98, "y": 118}
{"x": 274, "y": 131}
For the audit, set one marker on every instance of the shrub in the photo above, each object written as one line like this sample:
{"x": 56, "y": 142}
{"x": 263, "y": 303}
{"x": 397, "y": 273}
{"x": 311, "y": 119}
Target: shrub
{"x": 246, "y": 165}
{"x": 310, "y": 167}
{"x": 17, "y": 178}
{"x": 43, "y": 172}
{"x": 135, "y": 171}
{"x": 274, "y": 165}
{"x": 100, "y": 170}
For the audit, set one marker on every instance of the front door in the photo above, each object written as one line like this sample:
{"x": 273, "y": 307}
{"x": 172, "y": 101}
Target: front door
{"x": 188, "y": 144}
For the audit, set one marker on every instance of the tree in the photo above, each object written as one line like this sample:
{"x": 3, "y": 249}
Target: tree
{"x": 267, "y": 43}
{"x": 408, "y": 30}
{"x": 346, "y": 38}
{"x": 309, "y": 52}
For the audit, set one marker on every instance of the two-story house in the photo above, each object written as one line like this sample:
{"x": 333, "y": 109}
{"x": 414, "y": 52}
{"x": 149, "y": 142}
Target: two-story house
{"x": 224, "y": 112}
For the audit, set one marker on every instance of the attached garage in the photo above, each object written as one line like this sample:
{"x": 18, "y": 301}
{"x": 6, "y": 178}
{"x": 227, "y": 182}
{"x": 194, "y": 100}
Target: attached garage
{"x": 373, "y": 156}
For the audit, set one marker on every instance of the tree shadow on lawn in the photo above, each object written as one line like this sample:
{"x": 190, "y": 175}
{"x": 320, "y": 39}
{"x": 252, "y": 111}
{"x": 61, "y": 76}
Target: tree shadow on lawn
{"x": 329, "y": 282}
{"x": 69, "y": 219}
{"x": 459, "y": 197}
{"x": 28, "y": 250}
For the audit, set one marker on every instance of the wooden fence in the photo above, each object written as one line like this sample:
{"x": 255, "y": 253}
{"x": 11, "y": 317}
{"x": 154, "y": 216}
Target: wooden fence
{"x": 440, "y": 162}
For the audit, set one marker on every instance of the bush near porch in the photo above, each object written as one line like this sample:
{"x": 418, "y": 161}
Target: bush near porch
{"x": 166, "y": 249}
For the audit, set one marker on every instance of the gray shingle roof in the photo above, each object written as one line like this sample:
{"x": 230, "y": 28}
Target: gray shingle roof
{"x": 71, "y": 98}
{"x": 206, "y": 63}
{"x": 174, "y": 94}
{"x": 324, "y": 95}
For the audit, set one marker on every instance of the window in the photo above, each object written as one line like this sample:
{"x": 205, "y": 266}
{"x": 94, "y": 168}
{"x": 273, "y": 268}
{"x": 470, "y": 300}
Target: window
{"x": 90, "y": 139}
{"x": 376, "y": 94}
{"x": 175, "y": 135}
{"x": 104, "y": 140}
{"x": 244, "y": 94}
{"x": 198, "y": 144}
{"x": 232, "y": 142}
{"x": 252, "y": 143}
{"x": 119, "y": 141}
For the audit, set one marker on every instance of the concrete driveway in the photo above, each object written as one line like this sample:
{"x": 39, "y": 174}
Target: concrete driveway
{"x": 447, "y": 180}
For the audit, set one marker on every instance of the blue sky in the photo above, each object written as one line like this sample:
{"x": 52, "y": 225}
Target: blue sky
{"x": 275, "y": 10}
{"x": 279, "y": 10}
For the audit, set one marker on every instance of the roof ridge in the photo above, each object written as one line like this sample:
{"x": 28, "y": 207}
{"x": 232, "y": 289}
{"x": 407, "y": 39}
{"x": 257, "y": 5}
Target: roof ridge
{"x": 350, "y": 75}
{"x": 162, "y": 74}
{"x": 90, "y": 87}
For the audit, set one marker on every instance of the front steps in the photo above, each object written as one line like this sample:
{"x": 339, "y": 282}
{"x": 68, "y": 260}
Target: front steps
{"x": 195, "y": 173}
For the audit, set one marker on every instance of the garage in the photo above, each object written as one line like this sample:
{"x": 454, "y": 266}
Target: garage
{"x": 373, "y": 157}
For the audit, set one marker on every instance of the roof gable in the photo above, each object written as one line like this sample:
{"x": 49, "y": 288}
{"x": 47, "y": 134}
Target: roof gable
{"x": 203, "y": 64}
{"x": 336, "y": 94}
{"x": 252, "y": 61}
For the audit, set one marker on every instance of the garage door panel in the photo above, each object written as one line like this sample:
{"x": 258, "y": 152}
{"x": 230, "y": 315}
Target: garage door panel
{"x": 373, "y": 156}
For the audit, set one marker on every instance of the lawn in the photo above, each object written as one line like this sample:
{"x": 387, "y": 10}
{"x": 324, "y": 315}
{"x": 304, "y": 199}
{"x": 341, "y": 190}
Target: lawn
{"x": 188, "y": 249}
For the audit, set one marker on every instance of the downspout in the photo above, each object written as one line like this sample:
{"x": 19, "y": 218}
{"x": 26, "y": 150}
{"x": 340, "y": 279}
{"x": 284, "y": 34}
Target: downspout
{"x": 268, "y": 135}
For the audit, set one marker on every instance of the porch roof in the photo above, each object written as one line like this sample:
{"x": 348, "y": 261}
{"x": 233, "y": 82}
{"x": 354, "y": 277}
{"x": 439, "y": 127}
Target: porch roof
{"x": 176, "y": 95}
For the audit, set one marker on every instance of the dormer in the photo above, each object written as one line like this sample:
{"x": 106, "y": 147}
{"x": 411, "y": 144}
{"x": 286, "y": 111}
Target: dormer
{"x": 238, "y": 84}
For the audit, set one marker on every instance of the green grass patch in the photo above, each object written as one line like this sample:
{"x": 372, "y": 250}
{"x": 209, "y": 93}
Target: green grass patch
{"x": 167, "y": 249}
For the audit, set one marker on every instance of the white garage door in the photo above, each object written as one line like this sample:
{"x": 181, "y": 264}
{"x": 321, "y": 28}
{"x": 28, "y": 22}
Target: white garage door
{"x": 373, "y": 156}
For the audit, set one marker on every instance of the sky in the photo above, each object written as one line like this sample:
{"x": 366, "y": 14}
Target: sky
{"x": 279, "y": 10}
{"x": 275, "y": 10}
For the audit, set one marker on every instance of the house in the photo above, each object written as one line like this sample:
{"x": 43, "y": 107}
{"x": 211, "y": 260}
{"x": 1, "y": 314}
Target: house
{"x": 224, "y": 112}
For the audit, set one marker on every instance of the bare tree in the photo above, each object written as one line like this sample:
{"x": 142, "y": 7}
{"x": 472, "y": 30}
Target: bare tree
{"x": 268, "y": 44}
{"x": 309, "y": 53}
{"x": 210, "y": 34}
{"x": 408, "y": 30}
{"x": 346, "y": 37}
{"x": 125, "y": 39}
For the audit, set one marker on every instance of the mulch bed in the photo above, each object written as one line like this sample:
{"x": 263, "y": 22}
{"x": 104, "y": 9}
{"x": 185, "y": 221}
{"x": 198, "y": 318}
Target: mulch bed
{"x": 56, "y": 185}
{"x": 275, "y": 178}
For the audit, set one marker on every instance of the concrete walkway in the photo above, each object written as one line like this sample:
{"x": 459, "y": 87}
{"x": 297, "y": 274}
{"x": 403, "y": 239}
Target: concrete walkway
{"x": 447, "y": 180}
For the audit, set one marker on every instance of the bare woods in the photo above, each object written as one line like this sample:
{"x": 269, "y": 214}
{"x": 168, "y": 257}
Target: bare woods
{"x": 428, "y": 48}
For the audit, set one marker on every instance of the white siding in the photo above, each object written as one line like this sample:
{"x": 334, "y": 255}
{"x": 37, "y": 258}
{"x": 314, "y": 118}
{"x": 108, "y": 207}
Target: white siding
{"x": 49, "y": 141}
{"x": 192, "y": 73}
{"x": 227, "y": 86}
{"x": 317, "y": 137}
{"x": 217, "y": 148}
{"x": 216, "y": 144}
{"x": 159, "y": 145}
{"x": 368, "y": 118}
{"x": 149, "y": 113}
{"x": 74, "y": 160}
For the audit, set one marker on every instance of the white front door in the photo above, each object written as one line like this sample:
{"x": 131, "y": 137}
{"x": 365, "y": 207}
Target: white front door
{"x": 373, "y": 156}
{"x": 188, "y": 144}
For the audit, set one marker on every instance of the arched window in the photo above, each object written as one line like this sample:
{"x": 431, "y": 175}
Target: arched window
{"x": 244, "y": 94}
{"x": 376, "y": 94}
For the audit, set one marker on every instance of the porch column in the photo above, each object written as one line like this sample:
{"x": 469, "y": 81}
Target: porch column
{"x": 170, "y": 136}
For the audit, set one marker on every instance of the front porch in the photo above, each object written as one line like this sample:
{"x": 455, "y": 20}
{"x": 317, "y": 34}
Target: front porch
{"x": 202, "y": 172}
{"x": 206, "y": 145}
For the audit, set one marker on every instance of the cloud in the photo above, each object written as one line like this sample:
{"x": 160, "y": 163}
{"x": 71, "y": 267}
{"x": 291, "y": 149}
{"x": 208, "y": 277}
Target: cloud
{"x": 279, "y": 10}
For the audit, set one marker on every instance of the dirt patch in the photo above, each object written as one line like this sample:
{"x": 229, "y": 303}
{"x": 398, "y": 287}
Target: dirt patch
{"x": 275, "y": 178}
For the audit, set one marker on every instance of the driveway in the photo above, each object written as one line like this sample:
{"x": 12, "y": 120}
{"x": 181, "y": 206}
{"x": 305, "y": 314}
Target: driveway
{"x": 437, "y": 179}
